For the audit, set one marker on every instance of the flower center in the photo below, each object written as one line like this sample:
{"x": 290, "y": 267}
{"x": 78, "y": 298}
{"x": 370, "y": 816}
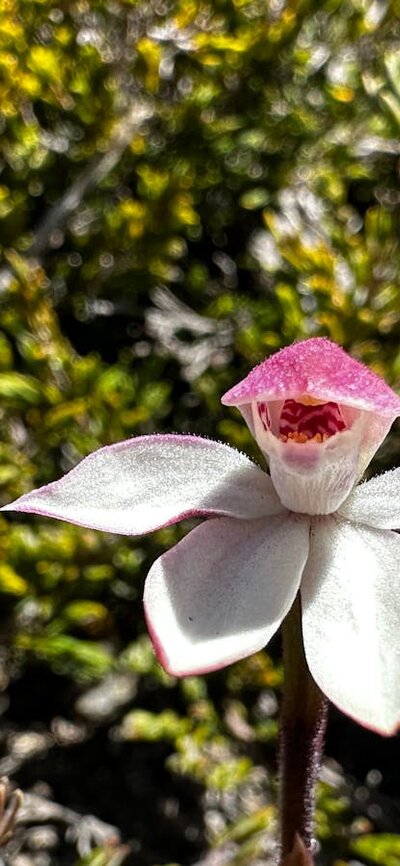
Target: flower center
{"x": 303, "y": 420}
{"x": 309, "y": 420}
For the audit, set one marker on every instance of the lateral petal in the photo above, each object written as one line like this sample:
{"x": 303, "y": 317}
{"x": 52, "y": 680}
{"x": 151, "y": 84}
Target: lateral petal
{"x": 351, "y": 620}
{"x": 222, "y": 592}
{"x": 147, "y": 482}
{"x": 375, "y": 502}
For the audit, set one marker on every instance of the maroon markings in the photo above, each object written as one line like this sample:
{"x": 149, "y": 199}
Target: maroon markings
{"x": 264, "y": 416}
{"x": 309, "y": 420}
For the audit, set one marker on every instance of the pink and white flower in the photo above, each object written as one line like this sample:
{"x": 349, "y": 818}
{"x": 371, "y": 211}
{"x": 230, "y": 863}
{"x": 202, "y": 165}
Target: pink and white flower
{"x": 222, "y": 592}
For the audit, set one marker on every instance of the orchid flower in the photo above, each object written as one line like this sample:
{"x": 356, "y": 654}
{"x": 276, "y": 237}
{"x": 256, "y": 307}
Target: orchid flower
{"x": 222, "y": 592}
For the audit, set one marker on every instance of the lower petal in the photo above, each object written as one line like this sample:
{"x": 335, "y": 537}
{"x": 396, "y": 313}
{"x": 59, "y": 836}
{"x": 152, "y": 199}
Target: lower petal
{"x": 222, "y": 592}
{"x": 351, "y": 620}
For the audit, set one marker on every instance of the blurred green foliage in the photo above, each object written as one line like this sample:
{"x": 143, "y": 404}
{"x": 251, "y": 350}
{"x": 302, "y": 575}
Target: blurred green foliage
{"x": 382, "y": 848}
{"x": 185, "y": 187}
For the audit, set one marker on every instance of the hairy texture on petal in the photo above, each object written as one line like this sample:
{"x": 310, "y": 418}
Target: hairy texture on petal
{"x": 222, "y": 592}
{"x": 351, "y": 619}
{"x": 319, "y": 368}
{"x": 376, "y": 502}
{"x": 141, "y": 484}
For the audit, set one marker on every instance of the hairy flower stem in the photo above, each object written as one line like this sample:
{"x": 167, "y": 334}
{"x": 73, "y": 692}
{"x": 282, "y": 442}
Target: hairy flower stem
{"x": 303, "y": 723}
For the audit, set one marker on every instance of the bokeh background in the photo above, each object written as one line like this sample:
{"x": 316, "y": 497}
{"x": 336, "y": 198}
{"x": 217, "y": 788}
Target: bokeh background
{"x": 185, "y": 187}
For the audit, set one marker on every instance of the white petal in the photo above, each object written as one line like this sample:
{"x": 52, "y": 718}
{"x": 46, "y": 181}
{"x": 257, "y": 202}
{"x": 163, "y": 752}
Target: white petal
{"x": 222, "y": 592}
{"x": 141, "y": 484}
{"x": 376, "y": 502}
{"x": 351, "y": 620}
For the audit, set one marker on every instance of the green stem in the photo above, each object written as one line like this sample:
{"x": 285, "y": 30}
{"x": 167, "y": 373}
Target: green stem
{"x": 303, "y": 724}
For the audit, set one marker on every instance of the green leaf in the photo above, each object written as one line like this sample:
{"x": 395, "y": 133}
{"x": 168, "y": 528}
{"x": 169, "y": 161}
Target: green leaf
{"x": 143, "y": 725}
{"x": 10, "y": 582}
{"x": 19, "y": 387}
{"x": 68, "y": 655}
{"x": 85, "y": 613}
{"x": 382, "y": 849}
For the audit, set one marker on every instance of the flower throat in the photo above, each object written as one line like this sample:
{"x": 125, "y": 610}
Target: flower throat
{"x": 305, "y": 420}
